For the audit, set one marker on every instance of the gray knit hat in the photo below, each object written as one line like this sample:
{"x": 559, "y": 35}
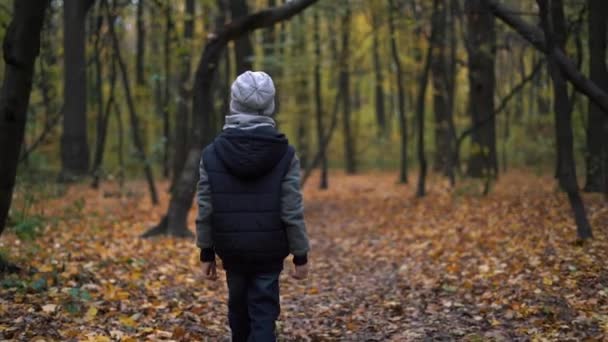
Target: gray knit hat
{"x": 253, "y": 93}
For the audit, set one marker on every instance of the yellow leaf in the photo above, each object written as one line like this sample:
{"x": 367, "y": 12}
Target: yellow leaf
{"x": 547, "y": 281}
{"x": 127, "y": 321}
{"x": 91, "y": 313}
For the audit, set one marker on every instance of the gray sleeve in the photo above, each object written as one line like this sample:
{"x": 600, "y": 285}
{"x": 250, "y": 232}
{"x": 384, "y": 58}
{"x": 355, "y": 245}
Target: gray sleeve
{"x": 203, "y": 220}
{"x": 292, "y": 210}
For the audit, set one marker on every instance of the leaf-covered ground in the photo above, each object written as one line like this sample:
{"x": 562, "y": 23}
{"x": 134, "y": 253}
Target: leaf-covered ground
{"x": 385, "y": 266}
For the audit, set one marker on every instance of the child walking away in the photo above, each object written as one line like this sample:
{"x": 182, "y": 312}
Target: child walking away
{"x": 250, "y": 209}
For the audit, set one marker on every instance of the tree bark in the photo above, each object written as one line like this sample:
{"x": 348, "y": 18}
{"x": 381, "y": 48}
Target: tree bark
{"x": 175, "y": 221}
{"x": 135, "y": 129}
{"x": 481, "y": 49}
{"x": 74, "y": 145}
{"x": 400, "y": 92}
{"x": 554, "y": 26}
{"x": 597, "y": 124}
{"x": 323, "y": 182}
{"x": 21, "y": 47}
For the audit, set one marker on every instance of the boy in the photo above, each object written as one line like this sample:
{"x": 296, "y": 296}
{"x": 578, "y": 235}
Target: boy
{"x": 250, "y": 209}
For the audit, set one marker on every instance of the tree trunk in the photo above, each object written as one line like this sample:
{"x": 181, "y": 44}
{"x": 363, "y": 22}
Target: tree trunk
{"x": 379, "y": 77}
{"x": 441, "y": 100}
{"x": 243, "y": 50}
{"x": 141, "y": 40}
{"x": 102, "y": 123}
{"x": 481, "y": 40}
{"x": 597, "y": 124}
{"x": 420, "y": 103}
{"x": 323, "y": 183}
{"x": 135, "y": 133}
{"x": 175, "y": 221}
{"x": 302, "y": 92}
{"x": 182, "y": 122}
{"x": 74, "y": 145}
{"x": 554, "y": 26}
{"x": 167, "y": 90}
{"x": 21, "y": 47}
{"x": 349, "y": 143}
{"x": 400, "y": 92}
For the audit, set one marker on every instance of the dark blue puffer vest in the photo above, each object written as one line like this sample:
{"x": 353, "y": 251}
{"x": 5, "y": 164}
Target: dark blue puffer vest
{"x": 245, "y": 170}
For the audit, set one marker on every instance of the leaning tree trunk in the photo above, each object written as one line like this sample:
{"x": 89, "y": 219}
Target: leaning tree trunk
{"x": 21, "y": 47}
{"x": 597, "y": 124}
{"x": 135, "y": 132}
{"x": 74, "y": 145}
{"x": 140, "y": 53}
{"x": 554, "y": 26}
{"x": 400, "y": 92}
{"x": 379, "y": 78}
{"x": 481, "y": 40}
{"x": 175, "y": 221}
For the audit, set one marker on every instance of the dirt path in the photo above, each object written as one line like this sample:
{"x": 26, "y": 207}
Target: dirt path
{"x": 384, "y": 267}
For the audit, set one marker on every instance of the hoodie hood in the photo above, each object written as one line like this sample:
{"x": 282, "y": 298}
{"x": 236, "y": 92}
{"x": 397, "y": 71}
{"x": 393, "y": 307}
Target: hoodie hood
{"x": 250, "y": 154}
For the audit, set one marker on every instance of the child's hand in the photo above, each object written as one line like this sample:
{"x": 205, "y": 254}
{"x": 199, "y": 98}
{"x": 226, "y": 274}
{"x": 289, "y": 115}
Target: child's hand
{"x": 301, "y": 272}
{"x": 209, "y": 270}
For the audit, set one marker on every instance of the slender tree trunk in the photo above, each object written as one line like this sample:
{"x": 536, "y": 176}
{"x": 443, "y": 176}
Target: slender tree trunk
{"x": 21, "y": 48}
{"x": 323, "y": 184}
{"x": 440, "y": 73}
{"x": 400, "y": 92}
{"x": 597, "y": 124}
{"x": 74, "y": 145}
{"x": 135, "y": 130}
{"x": 102, "y": 124}
{"x": 420, "y": 103}
{"x": 481, "y": 40}
{"x": 379, "y": 78}
{"x": 141, "y": 47}
{"x": 302, "y": 92}
{"x": 243, "y": 49}
{"x": 554, "y": 26}
{"x": 349, "y": 143}
{"x": 175, "y": 221}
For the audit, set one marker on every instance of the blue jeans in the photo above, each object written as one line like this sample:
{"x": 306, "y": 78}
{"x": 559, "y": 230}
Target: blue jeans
{"x": 253, "y": 306}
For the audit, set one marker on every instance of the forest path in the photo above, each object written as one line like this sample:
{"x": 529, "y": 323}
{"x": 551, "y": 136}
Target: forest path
{"x": 385, "y": 266}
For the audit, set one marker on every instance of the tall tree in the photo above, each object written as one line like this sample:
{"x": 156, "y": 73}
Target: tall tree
{"x": 20, "y": 50}
{"x": 74, "y": 145}
{"x": 168, "y": 56}
{"x": 141, "y": 44}
{"x": 133, "y": 117}
{"x": 243, "y": 50}
{"x": 443, "y": 88}
{"x": 344, "y": 81}
{"x": 597, "y": 124}
{"x": 400, "y": 92}
{"x": 379, "y": 75}
{"x": 553, "y": 22}
{"x": 323, "y": 182}
{"x": 175, "y": 221}
{"x": 183, "y": 120}
{"x": 421, "y": 100}
{"x": 481, "y": 49}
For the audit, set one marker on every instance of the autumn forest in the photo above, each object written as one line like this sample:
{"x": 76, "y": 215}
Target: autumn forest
{"x": 453, "y": 163}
